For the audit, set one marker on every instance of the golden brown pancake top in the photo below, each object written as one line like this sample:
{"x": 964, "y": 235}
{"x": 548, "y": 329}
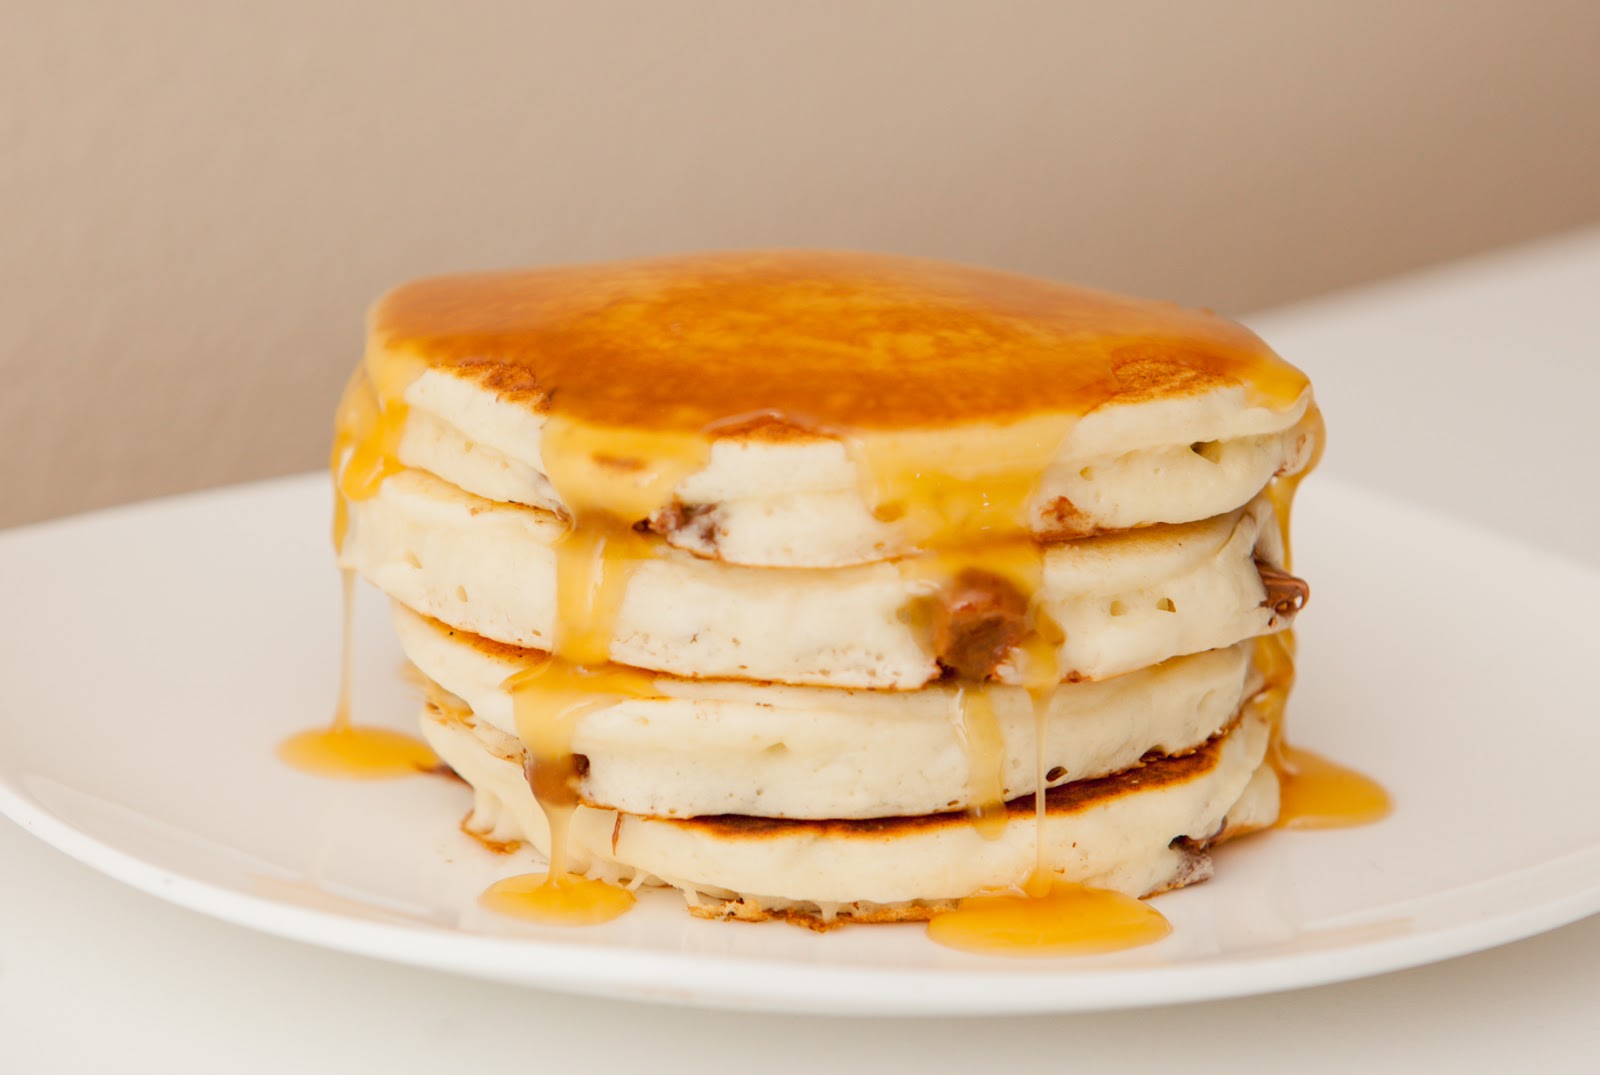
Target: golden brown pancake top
{"x": 821, "y": 340}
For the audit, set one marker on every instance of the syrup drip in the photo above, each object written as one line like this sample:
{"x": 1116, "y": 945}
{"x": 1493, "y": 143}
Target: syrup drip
{"x": 1041, "y": 679}
{"x": 607, "y": 479}
{"x": 548, "y": 701}
{"x": 985, "y": 759}
{"x": 592, "y": 572}
{"x": 953, "y": 496}
{"x": 968, "y": 512}
{"x": 368, "y": 427}
{"x": 971, "y": 514}
{"x": 350, "y": 751}
{"x": 1314, "y": 792}
{"x": 1281, "y": 489}
{"x": 1020, "y": 562}
{"x": 1046, "y": 916}
{"x": 367, "y": 431}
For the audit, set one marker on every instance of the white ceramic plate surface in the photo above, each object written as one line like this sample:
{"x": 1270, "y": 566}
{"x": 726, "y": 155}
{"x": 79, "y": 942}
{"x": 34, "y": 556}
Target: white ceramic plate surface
{"x": 153, "y": 656}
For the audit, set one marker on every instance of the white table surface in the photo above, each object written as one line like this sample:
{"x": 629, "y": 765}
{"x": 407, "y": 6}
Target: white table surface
{"x": 1474, "y": 388}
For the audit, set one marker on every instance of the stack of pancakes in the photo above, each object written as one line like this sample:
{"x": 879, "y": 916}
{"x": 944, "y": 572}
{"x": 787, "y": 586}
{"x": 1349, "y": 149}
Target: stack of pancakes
{"x": 833, "y": 585}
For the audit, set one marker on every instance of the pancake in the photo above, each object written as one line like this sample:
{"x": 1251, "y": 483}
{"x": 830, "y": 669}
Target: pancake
{"x": 800, "y": 500}
{"x": 695, "y": 748}
{"x": 1123, "y": 601}
{"x": 796, "y": 396}
{"x": 832, "y": 586}
{"x": 1137, "y": 832}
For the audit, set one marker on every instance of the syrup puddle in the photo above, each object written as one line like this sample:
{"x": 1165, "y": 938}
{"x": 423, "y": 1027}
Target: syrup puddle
{"x": 567, "y": 900}
{"x": 1049, "y": 918}
{"x": 1317, "y": 793}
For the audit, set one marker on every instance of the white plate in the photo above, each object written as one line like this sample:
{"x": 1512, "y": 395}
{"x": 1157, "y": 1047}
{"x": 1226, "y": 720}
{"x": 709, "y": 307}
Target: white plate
{"x": 152, "y": 657}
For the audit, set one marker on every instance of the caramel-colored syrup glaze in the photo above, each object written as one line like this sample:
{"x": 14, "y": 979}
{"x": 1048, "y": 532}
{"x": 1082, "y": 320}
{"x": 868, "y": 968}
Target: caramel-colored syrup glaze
{"x": 639, "y": 366}
{"x": 826, "y": 340}
{"x": 350, "y": 751}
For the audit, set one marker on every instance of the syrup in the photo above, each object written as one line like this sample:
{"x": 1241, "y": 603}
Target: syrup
{"x": 1317, "y": 793}
{"x": 568, "y": 900}
{"x": 1049, "y": 918}
{"x": 1282, "y": 488}
{"x": 986, "y": 758}
{"x": 607, "y": 479}
{"x": 1041, "y": 678}
{"x": 846, "y": 342}
{"x": 1314, "y": 792}
{"x": 350, "y": 751}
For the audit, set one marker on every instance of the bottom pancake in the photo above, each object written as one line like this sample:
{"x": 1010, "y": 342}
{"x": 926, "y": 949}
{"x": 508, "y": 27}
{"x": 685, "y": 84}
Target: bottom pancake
{"x": 1140, "y": 831}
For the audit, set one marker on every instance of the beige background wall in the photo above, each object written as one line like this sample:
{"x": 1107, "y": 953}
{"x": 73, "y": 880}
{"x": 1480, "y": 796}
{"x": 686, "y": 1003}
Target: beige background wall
{"x": 200, "y": 198}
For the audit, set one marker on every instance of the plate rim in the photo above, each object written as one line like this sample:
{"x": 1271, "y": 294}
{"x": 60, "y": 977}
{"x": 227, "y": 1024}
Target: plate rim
{"x": 775, "y": 983}
{"x": 747, "y": 982}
